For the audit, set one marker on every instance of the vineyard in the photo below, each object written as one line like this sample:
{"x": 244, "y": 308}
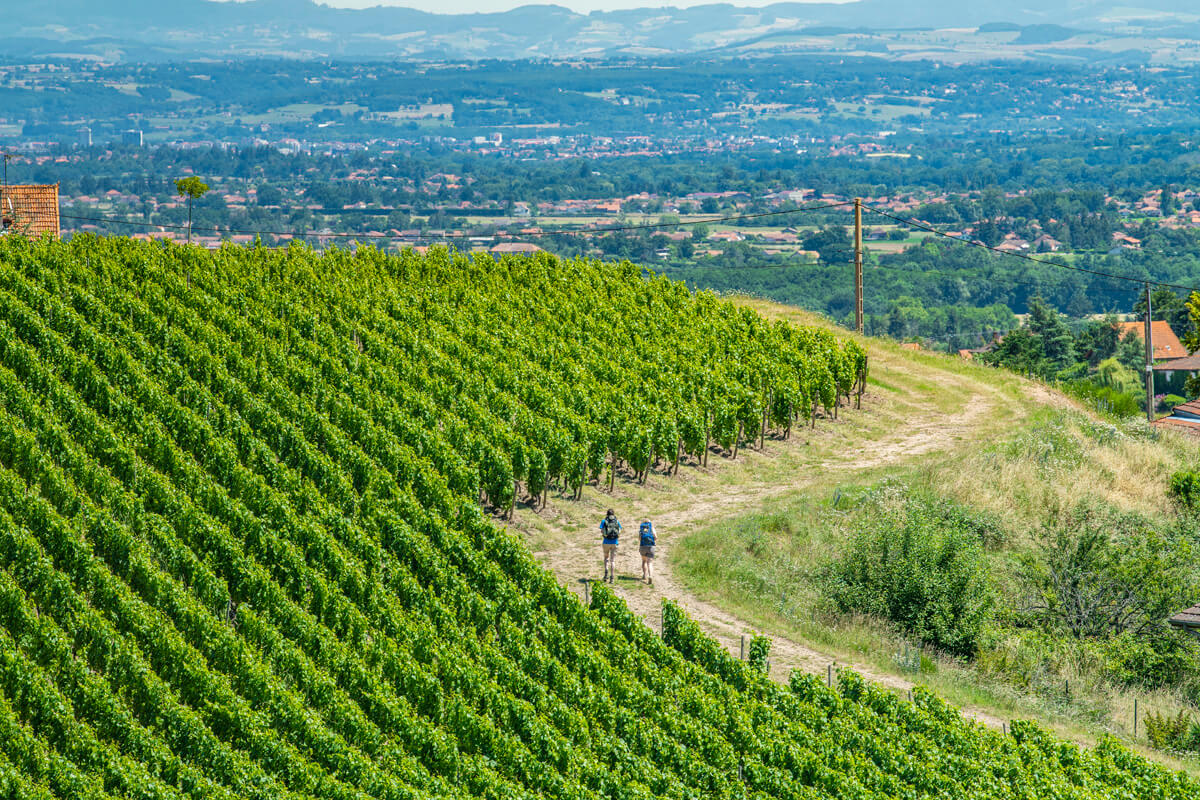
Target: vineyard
{"x": 249, "y": 544}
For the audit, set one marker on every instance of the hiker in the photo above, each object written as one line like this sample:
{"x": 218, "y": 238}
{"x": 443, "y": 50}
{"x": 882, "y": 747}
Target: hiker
{"x": 646, "y": 547}
{"x": 610, "y": 530}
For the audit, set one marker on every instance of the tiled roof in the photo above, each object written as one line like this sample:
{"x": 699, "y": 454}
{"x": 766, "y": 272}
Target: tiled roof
{"x": 516, "y": 247}
{"x": 1189, "y": 426}
{"x": 1191, "y": 407}
{"x": 1166, "y": 343}
{"x": 1188, "y": 618}
{"x": 29, "y": 209}
{"x": 1185, "y": 364}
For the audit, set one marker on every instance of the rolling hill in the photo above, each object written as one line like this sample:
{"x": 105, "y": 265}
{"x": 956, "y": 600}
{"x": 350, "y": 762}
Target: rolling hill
{"x": 202, "y": 28}
{"x": 250, "y": 546}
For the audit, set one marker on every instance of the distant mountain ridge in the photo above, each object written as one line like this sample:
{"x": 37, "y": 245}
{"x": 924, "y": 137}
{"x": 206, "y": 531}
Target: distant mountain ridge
{"x": 133, "y": 29}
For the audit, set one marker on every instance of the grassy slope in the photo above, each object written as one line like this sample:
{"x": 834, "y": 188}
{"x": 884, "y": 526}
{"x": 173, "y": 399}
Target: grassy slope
{"x": 742, "y": 538}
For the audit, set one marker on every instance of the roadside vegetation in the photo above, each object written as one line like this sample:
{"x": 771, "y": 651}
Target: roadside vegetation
{"x": 1026, "y": 565}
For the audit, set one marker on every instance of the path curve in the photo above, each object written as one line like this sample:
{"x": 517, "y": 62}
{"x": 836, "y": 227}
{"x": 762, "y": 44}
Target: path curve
{"x": 575, "y": 556}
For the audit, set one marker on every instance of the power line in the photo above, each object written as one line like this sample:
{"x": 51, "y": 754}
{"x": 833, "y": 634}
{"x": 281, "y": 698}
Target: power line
{"x": 975, "y": 243}
{"x": 542, "y": 234}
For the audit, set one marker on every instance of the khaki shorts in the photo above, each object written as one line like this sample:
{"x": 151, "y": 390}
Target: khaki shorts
{"x": 608, "y": 549}
{"x": 647, "y": 550}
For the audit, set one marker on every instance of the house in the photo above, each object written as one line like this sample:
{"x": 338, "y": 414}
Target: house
{"x": 516, "y": 247}
{"x": 1168, "y": 368}
{"x": 1166, "y": 344}
{"x": 29, "y": 209}
{"x": 1047, "y": 244}
{"x": 1123, "y": 240}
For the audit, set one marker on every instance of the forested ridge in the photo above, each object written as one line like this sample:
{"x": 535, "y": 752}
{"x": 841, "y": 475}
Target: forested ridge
{"x": 249, "y": 546}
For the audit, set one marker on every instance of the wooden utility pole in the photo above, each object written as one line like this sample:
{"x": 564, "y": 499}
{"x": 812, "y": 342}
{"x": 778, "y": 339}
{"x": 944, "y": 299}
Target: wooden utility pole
{"x": 1149, "y": 361}
{"x": 858, "y": 264}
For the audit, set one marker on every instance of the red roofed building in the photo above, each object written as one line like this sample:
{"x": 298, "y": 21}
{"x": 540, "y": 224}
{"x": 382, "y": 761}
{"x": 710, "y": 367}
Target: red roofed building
{"x": 516, "y": 247}
{"x": 1185, "y": 417}
{"x": 30, "y": 210}
{"x": 1166, "y": 343}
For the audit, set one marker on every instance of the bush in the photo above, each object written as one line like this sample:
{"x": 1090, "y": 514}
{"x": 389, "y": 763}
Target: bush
{"x": 1149, "y": 661}
{"x": 1112, "y": 578}
{"x": 921, "y": 568}
{"x": 1165, "y": 732}
{"x": 1109, "y": 400}
{"x": 1185, "y": 488}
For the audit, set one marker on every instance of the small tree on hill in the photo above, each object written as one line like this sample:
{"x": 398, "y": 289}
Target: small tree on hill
{"x": 1058, "y": 346}
{"x": 192, "y": 188}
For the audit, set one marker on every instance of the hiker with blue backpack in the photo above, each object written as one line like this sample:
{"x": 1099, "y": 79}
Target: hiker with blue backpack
{"x": 646, "y": 547}
{"x": 610, "y": 533}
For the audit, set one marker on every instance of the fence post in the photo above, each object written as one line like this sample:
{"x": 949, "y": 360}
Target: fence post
{"x": 1135, "y": 716}
{"x": 742, "y": 651}
{"x": 829, "y": 675}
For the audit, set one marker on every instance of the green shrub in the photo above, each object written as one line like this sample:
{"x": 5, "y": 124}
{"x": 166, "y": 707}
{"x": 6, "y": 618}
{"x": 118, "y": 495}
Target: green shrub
{"x": 1148, "y": 661}
{"x": 1112, "y": 578}
{"x": 1179, "y": 732}
{"x": 1170, "y": 401}
{"x": 1110, "y": 400}
{"x": 1185, "y": 488}
{"x": 920, "y": 568}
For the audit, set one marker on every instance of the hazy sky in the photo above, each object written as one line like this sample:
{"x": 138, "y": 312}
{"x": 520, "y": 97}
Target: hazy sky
{"x": 583, "y": 6}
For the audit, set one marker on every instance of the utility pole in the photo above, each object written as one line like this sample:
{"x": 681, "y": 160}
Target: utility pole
{"x": 858, "y": 264}
{"x": 1149, "y": 361}
{"x": 4, "y": 191}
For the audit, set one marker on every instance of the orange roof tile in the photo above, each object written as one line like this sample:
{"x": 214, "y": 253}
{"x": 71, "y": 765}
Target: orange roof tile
{"x": 1166, "y": 343}
{"x": 30, "y": 210}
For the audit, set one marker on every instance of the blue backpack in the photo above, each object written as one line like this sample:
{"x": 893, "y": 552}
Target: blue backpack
{"x": 647, "y": 533}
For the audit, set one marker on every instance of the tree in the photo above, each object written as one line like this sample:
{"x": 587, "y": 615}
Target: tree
{"x": 1131, "y": 352}
{"x": 1168, "y": 306}
{"x": 832, "y": 244}
{"x": 1058, "y": 346}
{"x": 269, "y": 195}
{"x": 1191, "y": 341}
{"x": 1019, "y": 351}
{"x": 1167, "y": 201}
{"x": 1098, "y": 340}
{"x": 192, "y": 188}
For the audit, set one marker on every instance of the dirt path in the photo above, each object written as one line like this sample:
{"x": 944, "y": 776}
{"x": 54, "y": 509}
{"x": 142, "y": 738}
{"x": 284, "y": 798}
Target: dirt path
{"x": 574, "y": 555}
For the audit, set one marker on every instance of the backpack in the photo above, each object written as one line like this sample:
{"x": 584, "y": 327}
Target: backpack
{"x": 647, "y": 533}
{"x": 612, "y": 527}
